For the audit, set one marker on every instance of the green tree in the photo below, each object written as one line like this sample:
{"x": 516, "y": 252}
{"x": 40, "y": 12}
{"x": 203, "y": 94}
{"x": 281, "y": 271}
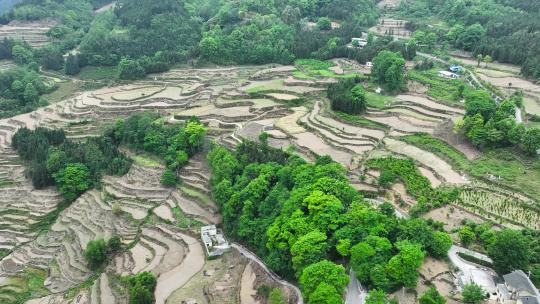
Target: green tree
{"x": 195, "y": 133}
{"x": 432, "y": 296}
{"x": 168, "y": 178}
{"x": 73, "y": 180}
{"x": 323, "y": 272}
{"x": 21, "y": 55}
{"x": 72, "y": 65}
{"x": 95, "y": 253}
{"x": 308, "y": 249}
{"x": 389, "y": 70}
{"x": 402, "y": 267}
{"x": 210, "y": 49}
{"x": 480, "y": 102}
{"x": 276, "y": 297}
{"x": 130, "y": 69}
{"x": 359, "y": 102}
{"x": 114, "y": 244}
{"x": 509, "y": 251}
{"x": 324, "y": 24}
{"x": 377, "y": 296}
{"x": 441, "y": 244}
{"x": 479, "y": 58}
{"x": 31, "y": 95}
{"x": 325, "y": 294}
{"x": 343, "y": 247}
{"x": 487, "y": 59}
{"x": 531, "y": 140}
{"x": 466, "y": 236}
{"x": 141, "y": 288}
{"x": 473, "y": 294}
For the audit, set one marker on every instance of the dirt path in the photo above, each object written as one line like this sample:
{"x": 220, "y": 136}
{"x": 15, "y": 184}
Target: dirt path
{"x": 247, "y": 292}
{"x": 177, "y": 277}
{"x": 250, "y": 255}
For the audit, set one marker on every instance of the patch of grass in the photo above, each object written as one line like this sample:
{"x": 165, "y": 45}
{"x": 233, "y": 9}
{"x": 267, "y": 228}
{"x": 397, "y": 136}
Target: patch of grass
{"x": 98, "y": 73}
{"x": 184, "y": 221}
{"x": 358, "y": 120}
{"x": 516, "y": 171}
{"x": 313, "y": 64}
{"x": 439, "y": 88}
{"x": 72, "y": 292}
{"x": 439, "y": 148}
{"x": 145, "y": 161}
{"x": 310, "y": 69}
{"x": 24, "y": 287}
{"x": 64, "y": 90}
{"x": 377, "y": 100}
{"x": 3, "y": 253}
{"x": 203, "y": 198}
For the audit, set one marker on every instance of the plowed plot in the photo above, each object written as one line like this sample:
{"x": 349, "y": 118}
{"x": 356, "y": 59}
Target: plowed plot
{"x": 427, "y": 159}
{"x": 429, "y": 104}
{"x": 393, "y": 27}
{"x": 35, "y": 33}
{"x": 315, "y": 144}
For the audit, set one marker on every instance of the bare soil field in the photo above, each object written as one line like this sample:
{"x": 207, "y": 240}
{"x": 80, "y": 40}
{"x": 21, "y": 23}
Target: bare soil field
{"x": 390, "y": 26}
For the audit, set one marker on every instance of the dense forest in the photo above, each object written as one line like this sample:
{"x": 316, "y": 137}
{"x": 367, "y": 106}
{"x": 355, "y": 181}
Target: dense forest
{"x": 148, "y": 36}
{"x": 73, "y": 167}
{"x": 506, "y": 30}
{"x": 149, "y": 133}
{"x": 304, "y": 220}
{"x": 491, "y": 125}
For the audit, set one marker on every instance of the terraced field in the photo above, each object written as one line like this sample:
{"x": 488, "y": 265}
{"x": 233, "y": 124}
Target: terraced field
{"x": 160, "y": 225}
{"x": 35, "y": 33}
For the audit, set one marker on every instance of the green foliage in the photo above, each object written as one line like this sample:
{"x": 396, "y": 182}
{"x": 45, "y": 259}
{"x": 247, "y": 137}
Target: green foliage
{"x": 347, "y": 96}
{"x": 432, "y": 296}
{"x": 130, "y": 69}
{"x": 466, "y": 236}
{"x": 149, "y": 133}
{"x": 168, "y": 178}
{"x": 473, "y": 294}
{"x": 490, "y": 125}
{"x": 276, "y": 297}
{"x": 377, "y": 296}
{"x": 72, "y": 65}
{"x": 439, "y": 147}
{"x": 73, "y": 167}
{"x": 323, "y": 273}
{"x": 448, "y": 90}
{"x": 509, "y": 251}
{"x": 402, "y": 267}
{"x": 141, "y": 288}
{"x": 73, "y": 180}
{"x": 389, "y": 70}
{"x": 325, "y": 294}
{"x": 478, "y": 27}
{"x": 324, "y": 24}
{"x": 417, "y": 185}
{"x": 95, "y": 253}
{"x": 20, "y": 91}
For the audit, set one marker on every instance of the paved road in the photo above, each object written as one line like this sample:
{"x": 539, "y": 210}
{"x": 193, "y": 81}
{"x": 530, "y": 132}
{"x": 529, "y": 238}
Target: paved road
{"x": 252, "y": 256}
{"x": 356, "y": 293}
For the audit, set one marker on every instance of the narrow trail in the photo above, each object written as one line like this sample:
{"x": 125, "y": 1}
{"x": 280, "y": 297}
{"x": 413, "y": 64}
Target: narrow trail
{"x": 177, "y": 277}
{"x": 250, "y": 255}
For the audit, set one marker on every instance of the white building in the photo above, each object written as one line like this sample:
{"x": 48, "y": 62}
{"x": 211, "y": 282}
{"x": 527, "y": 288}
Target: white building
{"x": 446, "y": 74}
{"x": 214, "y": 241}
{"x": 359, "y": 42}
{"x": 517, "y": 289}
